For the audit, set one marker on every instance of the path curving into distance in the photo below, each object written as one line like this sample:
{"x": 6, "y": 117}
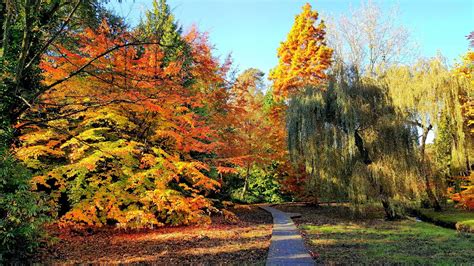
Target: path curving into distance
{"x": 286, "y": 245}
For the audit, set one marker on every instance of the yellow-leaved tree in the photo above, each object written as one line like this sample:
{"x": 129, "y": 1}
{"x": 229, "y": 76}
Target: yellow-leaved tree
{"x": 464, "y": 195}
{"x": 303, "y": 56}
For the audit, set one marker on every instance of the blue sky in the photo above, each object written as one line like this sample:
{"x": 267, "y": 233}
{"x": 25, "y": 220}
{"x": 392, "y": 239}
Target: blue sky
{"x": 252, "y": 29}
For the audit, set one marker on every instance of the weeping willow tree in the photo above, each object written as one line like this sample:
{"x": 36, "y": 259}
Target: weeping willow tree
{"x": 428, "y": 95}
{"x": 354, "y": 143}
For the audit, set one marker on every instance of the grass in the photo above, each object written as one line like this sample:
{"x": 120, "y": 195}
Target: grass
{"x": 401, "y": 242}
{"x": 459, "y": 219}
{"x": 335, "y": 238}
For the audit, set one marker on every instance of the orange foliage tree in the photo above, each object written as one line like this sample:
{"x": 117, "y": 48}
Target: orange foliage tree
{"x": 303, "y": 56}
{"x": 125, "y": 142}
{"x": 465, "y": 70}
{"x": 249, "y": 135}
{"x": 254, "y": 137}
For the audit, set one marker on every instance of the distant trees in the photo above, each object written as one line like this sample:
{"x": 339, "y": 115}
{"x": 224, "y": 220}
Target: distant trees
{"x": 248, "y": 139}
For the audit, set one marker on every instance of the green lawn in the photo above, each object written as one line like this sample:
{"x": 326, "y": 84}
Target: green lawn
{"x": 395, "y": 242}
{"x": 336, "y": 238}
{"x": 462, "y": 220}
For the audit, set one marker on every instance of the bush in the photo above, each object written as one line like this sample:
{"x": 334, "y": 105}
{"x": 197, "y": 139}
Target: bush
{"x": 263, "y": 186}
{"x": 464, "y": 199}
{"x": 22, "y": 212}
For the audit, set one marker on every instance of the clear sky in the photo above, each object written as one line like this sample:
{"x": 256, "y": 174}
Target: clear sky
{"x": 251, "y": 30}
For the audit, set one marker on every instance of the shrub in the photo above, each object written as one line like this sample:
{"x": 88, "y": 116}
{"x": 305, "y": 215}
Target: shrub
{"x": 21, "y": 211}
{"x": 263, "y": 186}
{"x": 465, "y": 197}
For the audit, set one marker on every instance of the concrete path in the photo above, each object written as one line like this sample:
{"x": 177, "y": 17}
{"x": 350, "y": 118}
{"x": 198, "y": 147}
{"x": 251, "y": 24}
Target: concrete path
{"x": 286, "y": 246}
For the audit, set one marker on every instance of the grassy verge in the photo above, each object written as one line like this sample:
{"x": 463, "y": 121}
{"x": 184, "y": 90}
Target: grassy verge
{"x": 454, "y": 218}
{"x": 335, "y": 238}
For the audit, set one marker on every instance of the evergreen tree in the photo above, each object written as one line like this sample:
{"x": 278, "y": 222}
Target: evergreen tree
{"x": 160, "y": 25}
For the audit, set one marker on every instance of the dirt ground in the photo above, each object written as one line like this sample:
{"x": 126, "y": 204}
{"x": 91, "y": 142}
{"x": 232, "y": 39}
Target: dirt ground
{"x": 245, "y": 242}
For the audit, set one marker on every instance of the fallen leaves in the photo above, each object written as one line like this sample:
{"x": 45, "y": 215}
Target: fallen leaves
{"x": 246, "y": 241}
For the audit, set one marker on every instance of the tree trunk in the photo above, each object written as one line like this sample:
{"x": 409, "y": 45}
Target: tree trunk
{"x": 424, "y": 172}
{"x": 6, "y": 27}
{"x": 315, "y": 198}
{"x": 390, "y": 212}
{"x": 246, "y": 183}
{"x": 468, "y": 163}
{"x": 25, "y": 45}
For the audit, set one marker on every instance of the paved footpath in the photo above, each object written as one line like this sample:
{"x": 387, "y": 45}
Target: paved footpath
{"x": 286, "y": 246}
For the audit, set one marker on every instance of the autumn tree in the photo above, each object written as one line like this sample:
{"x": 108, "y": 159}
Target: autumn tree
{"x": 465, "y": 71}
{"x": 254, "y": 159}
{"x": 120, "y": 143}
{"x": 291, "y": 175}
{"x": 303, "y": 61}
{"x": 463, "y": 183}
{"x": 28, "y": 30}
{"x": 303, "y": 56}
{"x": 247, "y": 133}
{"x": 373, "y": 43}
